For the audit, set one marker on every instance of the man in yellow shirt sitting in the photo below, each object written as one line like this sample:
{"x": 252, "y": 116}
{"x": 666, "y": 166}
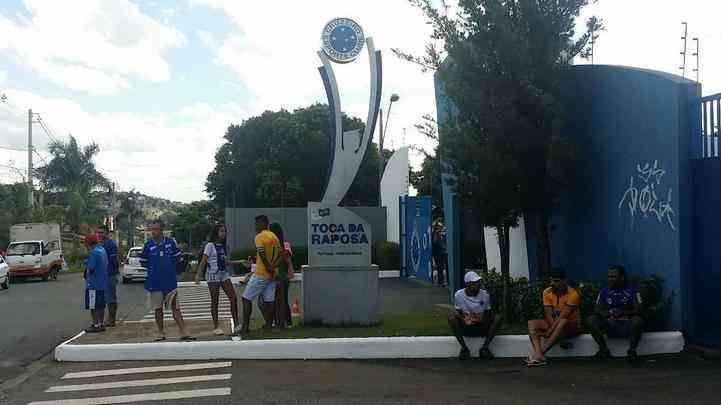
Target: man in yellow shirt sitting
{"x": 562, "y": 318}
{"x": 262, "y": 282}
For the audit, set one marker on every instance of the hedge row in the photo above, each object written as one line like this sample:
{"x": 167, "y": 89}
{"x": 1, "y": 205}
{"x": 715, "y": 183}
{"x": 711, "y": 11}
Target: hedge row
{"x": 525, "y": 298}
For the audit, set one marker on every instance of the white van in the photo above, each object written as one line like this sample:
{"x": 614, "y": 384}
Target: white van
{"x": 34, "y": 251}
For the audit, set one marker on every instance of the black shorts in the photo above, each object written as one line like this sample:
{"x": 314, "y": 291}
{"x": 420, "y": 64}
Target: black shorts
{"x": 475, "y": 330}
{"x": 616, "y": 328}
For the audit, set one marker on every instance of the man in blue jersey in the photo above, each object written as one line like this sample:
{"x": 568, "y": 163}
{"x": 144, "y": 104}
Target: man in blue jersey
{"x": 160, "y": 256}
{"x": 618, "y": 314}
{"x": 96, "y": 279}
{"x": 111, "y": 291}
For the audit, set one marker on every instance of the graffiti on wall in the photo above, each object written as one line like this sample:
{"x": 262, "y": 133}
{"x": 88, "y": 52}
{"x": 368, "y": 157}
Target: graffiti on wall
{"x": 646, "y": 197}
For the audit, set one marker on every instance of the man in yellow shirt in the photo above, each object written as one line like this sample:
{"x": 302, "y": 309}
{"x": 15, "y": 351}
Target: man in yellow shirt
{"x": 562, "y": 318}
{"x": 262, "y": 282}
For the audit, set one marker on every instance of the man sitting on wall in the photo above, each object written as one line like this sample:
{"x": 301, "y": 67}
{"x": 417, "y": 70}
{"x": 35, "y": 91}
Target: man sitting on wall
{"x": 473, "y": 316}
{"x": 618, "y": 314}
{"x": 562, "y": 320}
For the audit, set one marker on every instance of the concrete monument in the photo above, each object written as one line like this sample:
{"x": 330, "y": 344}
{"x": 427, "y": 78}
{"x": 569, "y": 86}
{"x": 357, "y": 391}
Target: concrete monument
{"x": 340, "y": 285}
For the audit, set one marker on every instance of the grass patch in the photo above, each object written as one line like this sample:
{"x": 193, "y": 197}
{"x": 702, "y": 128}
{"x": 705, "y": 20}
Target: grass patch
{"x": 410, "y": 324}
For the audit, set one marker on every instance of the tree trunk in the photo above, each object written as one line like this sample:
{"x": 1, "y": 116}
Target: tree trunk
{"x": 543, "y": 244}
{"x": 504, "y": 242}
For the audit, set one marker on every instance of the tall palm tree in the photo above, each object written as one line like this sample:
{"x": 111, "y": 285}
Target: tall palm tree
{"x": 72, "y": 172}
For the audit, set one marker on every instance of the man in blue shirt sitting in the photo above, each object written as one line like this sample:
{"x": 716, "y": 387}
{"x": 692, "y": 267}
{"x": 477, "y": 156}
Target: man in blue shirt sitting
{"x": 618, "y": 314}
{"x": 111, "y": 292}
{"x": 96, "y": 279}
{"x": 160, "y": 256}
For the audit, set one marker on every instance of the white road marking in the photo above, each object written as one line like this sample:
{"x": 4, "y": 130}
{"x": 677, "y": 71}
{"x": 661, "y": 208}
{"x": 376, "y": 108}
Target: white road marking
{"x": 121, "y": 399}
{"x": 139, "y": 383}
{"x": 156, "y": 369}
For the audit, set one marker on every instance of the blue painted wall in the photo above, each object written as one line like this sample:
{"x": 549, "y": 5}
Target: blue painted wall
{"x": 451, "y": 212}
{"x": 631, "y": 202}
{"x": 706, "y": 278}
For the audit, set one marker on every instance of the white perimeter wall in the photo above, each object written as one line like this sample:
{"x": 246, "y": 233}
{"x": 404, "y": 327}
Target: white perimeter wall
{"x": 519, "y": 253}
{"x": 394, "y": 184}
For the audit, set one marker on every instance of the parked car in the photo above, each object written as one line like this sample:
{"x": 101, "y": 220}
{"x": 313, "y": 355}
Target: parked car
{"x": 132, "y": 270}
{"x": 4, "y": 277}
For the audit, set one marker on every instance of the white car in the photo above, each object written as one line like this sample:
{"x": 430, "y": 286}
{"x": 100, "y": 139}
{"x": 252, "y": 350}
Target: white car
{"x": 4, "y": 279}
{"x": 132, "y": 270}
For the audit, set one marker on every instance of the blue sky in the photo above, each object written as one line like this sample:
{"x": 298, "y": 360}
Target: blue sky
{"x": 156, "y": 83}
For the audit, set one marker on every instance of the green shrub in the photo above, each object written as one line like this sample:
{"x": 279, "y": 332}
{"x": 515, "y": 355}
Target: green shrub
{"x": 387, "y": 255}
{"x": 525, "y": 298}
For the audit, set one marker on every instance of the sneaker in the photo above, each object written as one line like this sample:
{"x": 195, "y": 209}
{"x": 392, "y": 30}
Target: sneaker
{"x": 534, "y": 362}
{"x": 218, "y": 332}
{"x": 464, "y": 354}
{"x": 95, "y": 329}
{"x": 602, "y": 354}
{"x": 238, "y": 330}
{"x": 632, "y": 355}
{"x": 485, "y": 353}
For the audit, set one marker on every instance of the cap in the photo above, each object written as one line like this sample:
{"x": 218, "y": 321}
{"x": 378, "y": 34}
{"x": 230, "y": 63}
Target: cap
{"x": 471, "y": 277}
{"x": 91, "y": 238}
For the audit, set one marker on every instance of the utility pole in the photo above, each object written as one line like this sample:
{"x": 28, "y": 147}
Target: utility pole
{"x": 698, "y": 61}
{"x": 683, "y": 52}
{"x": 31, "y": 197}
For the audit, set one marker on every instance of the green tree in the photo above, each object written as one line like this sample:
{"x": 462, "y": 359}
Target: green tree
{"x": 500, "y": 63}
{"x": 193, "y": 224}
{"x": 427, "y": 181}
{"x": 71, "y": 173}
{"x": 14, "y": 209}
{"x": 280, "y": 159}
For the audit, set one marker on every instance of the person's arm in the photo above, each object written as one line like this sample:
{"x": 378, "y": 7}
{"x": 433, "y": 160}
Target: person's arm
{"x": 601, "y": 306}
{"x": 199, "y": 269}
{"x": 144, "y": 256}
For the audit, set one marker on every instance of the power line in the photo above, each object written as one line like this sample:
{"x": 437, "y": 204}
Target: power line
{"x": 13, "y": 148}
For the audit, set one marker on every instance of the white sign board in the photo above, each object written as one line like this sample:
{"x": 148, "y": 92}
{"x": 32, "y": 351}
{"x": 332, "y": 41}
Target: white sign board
{"x": 337, "y": 237}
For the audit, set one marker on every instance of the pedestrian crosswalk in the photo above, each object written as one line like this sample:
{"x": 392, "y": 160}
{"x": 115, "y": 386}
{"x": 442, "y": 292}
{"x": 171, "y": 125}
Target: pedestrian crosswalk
{"x": 195, "y": 304}
{"x": 141, "y": 384}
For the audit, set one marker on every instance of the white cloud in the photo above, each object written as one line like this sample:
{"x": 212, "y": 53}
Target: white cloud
{"x": 166, "y": 155}
{"x": 275, "y": 57}
{"x": 97, "y": 47}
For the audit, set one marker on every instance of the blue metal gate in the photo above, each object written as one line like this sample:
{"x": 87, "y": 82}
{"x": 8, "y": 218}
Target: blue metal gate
{"x": 416, "y": 237}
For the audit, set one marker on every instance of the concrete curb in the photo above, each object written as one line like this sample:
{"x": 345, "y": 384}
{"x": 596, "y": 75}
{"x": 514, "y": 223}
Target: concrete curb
{"x": 349, "y": 348}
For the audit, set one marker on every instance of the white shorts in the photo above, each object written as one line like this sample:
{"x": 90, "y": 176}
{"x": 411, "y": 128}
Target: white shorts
{"x": 160, "y": 299}
{"x": 259, "y": 286}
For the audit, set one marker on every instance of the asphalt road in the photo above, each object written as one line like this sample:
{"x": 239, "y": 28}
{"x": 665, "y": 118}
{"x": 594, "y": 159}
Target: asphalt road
{"x": 676, "y": 379}
{"x": 36, "y": 316}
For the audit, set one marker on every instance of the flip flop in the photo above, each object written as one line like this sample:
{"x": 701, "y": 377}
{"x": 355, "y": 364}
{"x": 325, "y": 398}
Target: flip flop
{"x": 188, "y": 338}
{"x": 160, "y": 338}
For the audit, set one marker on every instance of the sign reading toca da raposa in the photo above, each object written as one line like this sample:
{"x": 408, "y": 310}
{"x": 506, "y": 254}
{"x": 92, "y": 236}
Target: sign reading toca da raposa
{"x": 337, "y": 237}
{"x": 331, "y": 234}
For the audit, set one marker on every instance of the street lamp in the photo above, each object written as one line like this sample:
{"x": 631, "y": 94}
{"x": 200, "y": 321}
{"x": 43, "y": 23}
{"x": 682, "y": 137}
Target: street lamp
{"x": 381, "y": 138}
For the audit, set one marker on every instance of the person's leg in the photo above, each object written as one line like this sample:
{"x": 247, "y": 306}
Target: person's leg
{"x": 214, "y": 291}
{"x": 268, "y": 296}
{"x": 247, "y": 309}
{"x": 595, "y": 328}
{"x": 252, "y": 291}
{"x": 536, "y": 330}
{"x": 112, "y": 300}
{"x": 494, "y": 324}
{"x": 280, "y": 305}
{"x": 288, "y": 312}
{"x": 232, "y": 298}
{"x": 159, "y": 321}
{"x": 456, "y": 324}
{"x": 172, "y": 298}
{"x": 565, "y": 329}
{"x": 635, "y": 332}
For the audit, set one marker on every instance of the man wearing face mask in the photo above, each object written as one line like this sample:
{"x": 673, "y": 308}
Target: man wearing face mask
{"x": 473, "y": 317}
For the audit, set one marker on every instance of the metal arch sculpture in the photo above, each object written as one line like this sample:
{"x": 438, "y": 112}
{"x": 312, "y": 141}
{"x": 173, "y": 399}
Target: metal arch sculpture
{"x": 342, "y": 42}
